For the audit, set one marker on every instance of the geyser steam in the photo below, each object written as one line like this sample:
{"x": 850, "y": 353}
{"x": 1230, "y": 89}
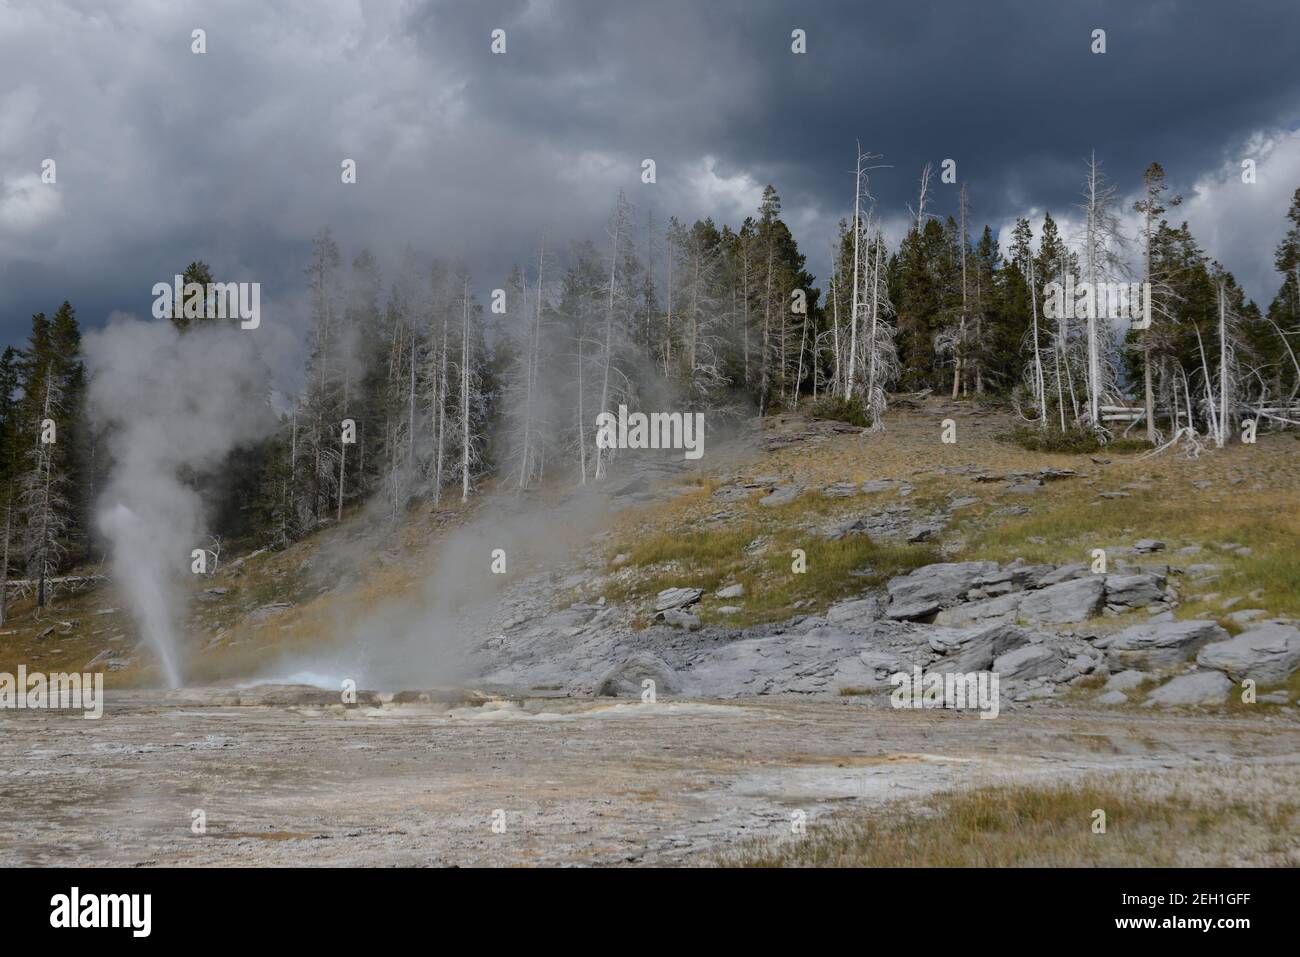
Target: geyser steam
{"x": 171, "y": 403}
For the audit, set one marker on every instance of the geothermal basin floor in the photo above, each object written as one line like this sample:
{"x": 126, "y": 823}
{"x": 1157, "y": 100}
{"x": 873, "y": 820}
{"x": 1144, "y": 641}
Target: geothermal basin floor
{"x": 296, "y": 779}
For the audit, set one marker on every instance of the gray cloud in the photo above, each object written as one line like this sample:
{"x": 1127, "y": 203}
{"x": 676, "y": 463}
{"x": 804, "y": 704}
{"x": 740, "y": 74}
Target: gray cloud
{"x": 233, "y": 157}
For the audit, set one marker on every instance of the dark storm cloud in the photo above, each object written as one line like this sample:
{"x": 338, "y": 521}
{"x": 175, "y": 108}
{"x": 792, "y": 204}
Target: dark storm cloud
{"x": 233, "y": 157}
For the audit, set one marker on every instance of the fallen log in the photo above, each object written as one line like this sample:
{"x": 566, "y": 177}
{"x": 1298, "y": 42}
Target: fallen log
{"x": 60, "y": 580}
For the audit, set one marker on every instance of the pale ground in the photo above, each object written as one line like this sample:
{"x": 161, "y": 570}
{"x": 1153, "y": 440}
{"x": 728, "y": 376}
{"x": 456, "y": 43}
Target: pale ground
{"x": 579, "y": 781}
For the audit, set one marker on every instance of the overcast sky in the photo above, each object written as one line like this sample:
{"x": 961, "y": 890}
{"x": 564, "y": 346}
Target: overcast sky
{"x": 233, "y": 157}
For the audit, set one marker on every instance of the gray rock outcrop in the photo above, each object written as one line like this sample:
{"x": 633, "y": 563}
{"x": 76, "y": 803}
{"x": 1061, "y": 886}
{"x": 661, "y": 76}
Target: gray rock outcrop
{"x": 1153, "y": 645}
{"x": 1268, "y": 654}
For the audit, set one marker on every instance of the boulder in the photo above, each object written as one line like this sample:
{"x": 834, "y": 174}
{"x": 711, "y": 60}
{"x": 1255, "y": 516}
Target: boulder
{"x": 1267, "y": 654}
{"x": 1125, "y": 681}
{"x": 783, "y": 495}
{"x": 840, "y": 490}
{"x": 1029, "y": 661}
{"x": 1063, "y": 574}
{"x": 679, "y": 619}
{"x": 1084, "y": 664}
{"x": 1247, "y": 615}
{"x": 923, "y": 532}
{"x": 1134, "y": 591}
{"x": 1070, "y": 601}
{"x": 1112, "y": 698}
{"x": 1021, "y": 486}
{"x": 974, "y": 649}
{"x": 1198, "y": 687}
{"x": 854, "y": 611}
{"x": 677, "y": 598}
{"x": 882, "y": 662}
{"x": 1011, "y": 577}
{"x": 1160, "y": 644}
{"x": 625, "y": 677}
{"x": 731, "y": 591}
{"x": 923, "y": 592}
{"x": 1000, "y": 608}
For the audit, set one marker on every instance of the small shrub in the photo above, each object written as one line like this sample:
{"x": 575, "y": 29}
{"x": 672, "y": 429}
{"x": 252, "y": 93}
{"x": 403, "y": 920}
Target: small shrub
{"x": 839, "y": 409}
{"x": 1071, "y": 441}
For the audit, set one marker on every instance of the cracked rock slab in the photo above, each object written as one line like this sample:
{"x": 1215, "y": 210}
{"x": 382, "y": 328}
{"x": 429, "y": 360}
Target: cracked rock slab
{"x": 1154, "y": 645}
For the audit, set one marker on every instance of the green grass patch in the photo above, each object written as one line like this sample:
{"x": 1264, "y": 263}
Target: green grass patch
{"x": 711, "y": 559}
{"x": 1065, "y": 526}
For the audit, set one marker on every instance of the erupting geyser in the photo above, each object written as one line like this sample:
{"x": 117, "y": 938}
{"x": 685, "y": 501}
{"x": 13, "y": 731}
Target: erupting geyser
{"x": 170, "y": 403}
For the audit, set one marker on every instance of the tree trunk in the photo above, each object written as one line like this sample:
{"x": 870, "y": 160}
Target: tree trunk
{"x": 4, "y": 561}
{"x": 853, "y": 308}
{"x": 464, "y": 396}
{"x": 609, "y": 337}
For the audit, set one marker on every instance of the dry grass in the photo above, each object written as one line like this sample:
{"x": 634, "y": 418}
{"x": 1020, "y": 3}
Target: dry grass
{"x": 1249, "y": 498}
{"x": 773, "y": 590}
{"x": 1229, "y": 817}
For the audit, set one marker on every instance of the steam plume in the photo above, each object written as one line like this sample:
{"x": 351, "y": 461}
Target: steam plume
{"x": 173, "y": 406}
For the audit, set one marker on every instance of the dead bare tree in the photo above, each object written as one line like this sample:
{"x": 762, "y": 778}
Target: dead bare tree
{"x": 918, "y": 214}
{"x": 43, "y": 500}
{"x": 1101, "y": 241}
{"x": 861, "y": 223}
{"x": 468, "y": 394}
{"x": 525, "y": 405}
{"x": 615, "y": 296}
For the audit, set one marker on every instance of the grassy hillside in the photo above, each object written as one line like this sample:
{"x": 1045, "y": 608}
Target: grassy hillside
{"x": 1235, "y": 509}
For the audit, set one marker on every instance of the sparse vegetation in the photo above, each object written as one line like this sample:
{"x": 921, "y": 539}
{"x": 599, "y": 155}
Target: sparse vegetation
{"x": 709, "y": 560}
{"x": 1077, "y": 441}
{"x": 1194, "y": 820}
{"x": 839, "y": 409}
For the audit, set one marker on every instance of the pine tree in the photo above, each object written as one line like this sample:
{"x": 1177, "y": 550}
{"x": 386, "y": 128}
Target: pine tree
{"x": 1152, "y": 206}
{"x": 196, "y": 272}
{"x": 1283, "y": 317}
{"x": 10, "y": 452}
{"x": 43, "y": 490}
{"x": 698, "y": 255}
{"x": 322, "y": 400}
{"x": 1020, "y": 296}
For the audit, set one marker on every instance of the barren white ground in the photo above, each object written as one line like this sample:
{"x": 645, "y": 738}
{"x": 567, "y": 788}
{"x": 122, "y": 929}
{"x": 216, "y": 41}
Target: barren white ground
{"x": 579, "y": 781}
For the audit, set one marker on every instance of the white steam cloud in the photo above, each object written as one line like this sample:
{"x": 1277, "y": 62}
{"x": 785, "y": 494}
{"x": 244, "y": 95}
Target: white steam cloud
{"x": 174, "y": 406}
